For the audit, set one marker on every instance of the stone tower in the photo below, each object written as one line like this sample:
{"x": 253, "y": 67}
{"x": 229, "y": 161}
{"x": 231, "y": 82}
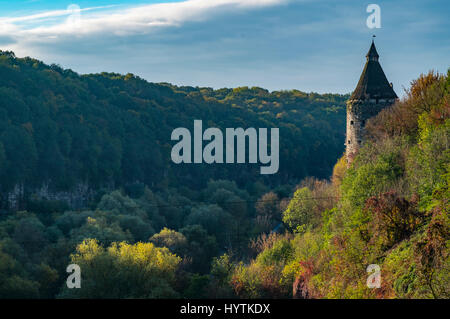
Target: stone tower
{"x": 372, "y": 94}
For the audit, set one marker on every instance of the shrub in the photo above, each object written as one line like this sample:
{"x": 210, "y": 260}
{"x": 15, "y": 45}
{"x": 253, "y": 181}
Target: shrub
{"x": 394, "y": 218}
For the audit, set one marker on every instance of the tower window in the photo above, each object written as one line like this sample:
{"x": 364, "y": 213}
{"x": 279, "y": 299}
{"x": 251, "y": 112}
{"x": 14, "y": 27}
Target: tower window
{"x": 348, "y": 142}
{"x": 351, "y": 122}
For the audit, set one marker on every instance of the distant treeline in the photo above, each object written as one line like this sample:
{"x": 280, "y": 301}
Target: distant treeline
{"x": 113, "y": 130}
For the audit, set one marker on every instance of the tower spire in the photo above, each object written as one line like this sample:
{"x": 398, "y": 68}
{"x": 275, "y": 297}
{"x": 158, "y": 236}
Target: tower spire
{"x": 372, "y": 55}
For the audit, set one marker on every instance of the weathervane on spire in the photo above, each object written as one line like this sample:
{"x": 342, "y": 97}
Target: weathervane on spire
{"x": 373, "y": 37}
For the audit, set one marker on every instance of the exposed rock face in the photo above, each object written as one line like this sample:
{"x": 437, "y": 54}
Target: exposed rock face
{"x": 15, "y": 197}
{"x": 76, "y": 198}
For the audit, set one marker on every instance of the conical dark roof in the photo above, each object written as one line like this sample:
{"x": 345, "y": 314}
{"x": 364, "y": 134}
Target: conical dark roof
{"x": 373, "y": 82}
{"x": 372, "y": 54}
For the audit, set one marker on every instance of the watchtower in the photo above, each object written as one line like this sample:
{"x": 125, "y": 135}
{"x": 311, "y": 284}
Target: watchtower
{"x": 372, "y": 94}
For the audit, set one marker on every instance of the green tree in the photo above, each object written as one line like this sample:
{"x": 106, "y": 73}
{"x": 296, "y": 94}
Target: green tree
{"x": 300, "y": 210}
{"x": 124, "y": 271}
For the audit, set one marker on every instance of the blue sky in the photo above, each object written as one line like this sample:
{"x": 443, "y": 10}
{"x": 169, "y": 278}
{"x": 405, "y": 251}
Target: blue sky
{"x": 310, "y": 45}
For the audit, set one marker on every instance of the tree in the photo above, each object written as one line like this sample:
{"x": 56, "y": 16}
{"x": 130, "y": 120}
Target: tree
{"x": 212, "y": 218}
{"x": 268, "y": 205}
{"x": 13, "y": 281}
{"x": 300, "y": 209}
{"x": 171, "y": 239}
{"x": 124, "y": 271}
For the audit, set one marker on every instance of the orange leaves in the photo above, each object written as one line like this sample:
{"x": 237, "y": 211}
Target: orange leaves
{"x": 395, "y": 218}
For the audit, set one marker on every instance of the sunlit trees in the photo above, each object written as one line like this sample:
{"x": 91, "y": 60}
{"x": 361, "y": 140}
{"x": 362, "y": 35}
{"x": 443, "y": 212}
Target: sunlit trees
{"x": 175, "y": 241}
{"x": 124, "y": 271}
{"x": 300, "y": 210}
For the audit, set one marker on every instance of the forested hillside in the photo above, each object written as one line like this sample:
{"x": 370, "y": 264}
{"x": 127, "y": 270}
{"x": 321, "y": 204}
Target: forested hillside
{"x": 109, "y": 130}
{"x": 154, "y": 230}
{"x": 390, "y": 208}
{"x": 112, "y": 132}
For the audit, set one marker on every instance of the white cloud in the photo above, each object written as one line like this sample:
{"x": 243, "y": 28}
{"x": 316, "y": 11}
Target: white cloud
{"x": 48, "y": 14}
{"x": 121, "y": 22}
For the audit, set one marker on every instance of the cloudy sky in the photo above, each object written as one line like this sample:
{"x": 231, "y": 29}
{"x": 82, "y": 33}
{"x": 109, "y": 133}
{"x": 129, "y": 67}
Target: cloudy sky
{"x": 310, "y": 45}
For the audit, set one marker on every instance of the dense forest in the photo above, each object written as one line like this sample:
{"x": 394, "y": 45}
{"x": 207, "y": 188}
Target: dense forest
{"x": 61, "y": 129}
{"x": 157, "y": 230}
